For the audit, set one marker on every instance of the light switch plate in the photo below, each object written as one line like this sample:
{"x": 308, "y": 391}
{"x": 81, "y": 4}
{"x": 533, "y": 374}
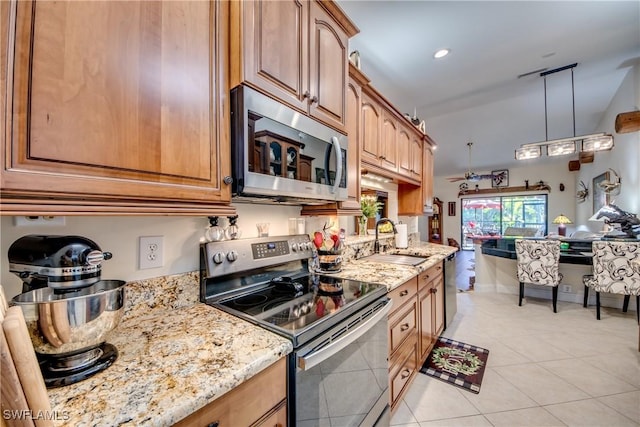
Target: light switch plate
{"x": 150, "y": 252}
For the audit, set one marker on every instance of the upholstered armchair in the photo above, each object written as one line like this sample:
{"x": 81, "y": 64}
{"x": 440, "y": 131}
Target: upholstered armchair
{"x": 538, "y": 262}
{"x": 616, "y": 269}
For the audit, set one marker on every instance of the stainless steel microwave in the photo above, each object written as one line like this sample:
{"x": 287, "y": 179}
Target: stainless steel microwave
{"x": 280, "y": 155}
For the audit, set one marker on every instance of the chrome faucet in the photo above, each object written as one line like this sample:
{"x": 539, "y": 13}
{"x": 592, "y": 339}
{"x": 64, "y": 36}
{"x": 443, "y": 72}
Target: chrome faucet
{"x": 376, "y": 244}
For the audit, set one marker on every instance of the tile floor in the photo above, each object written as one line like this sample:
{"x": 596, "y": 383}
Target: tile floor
{"x": 544, "y": 369}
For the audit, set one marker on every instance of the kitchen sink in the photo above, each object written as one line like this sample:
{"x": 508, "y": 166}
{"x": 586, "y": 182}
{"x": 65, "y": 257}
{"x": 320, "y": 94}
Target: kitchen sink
{"x": 402, "y": 259}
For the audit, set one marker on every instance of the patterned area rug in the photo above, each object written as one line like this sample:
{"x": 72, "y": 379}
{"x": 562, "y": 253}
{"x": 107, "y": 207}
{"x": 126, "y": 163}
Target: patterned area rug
{"x": 457, "y": 363}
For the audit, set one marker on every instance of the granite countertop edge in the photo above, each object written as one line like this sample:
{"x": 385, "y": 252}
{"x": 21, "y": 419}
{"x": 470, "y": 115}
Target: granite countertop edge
{"x": 171, "y": 363}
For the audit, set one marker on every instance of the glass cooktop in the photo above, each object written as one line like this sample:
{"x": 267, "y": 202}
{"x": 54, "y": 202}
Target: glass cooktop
{"x": 292, "y": 306}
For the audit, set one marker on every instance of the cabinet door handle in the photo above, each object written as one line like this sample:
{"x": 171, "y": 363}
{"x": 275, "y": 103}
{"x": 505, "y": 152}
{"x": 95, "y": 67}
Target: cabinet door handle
{"x": 306, "y": 95}
{"x": 404, "y": 327}
{"x": 404, "y": 293}
{"x": 227, "y": 180}
{"x": 405, "y": 374}
{"x": 314, "y": 99}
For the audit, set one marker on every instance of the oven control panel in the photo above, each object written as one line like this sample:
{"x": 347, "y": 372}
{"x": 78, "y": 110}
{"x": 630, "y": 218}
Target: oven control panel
{"x": 234, "y": 256}
{"x": 270, "y": 249}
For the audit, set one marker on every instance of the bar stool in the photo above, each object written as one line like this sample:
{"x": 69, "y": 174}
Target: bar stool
{"x": 616, "y": 269}
{"x": 538, "y": 262}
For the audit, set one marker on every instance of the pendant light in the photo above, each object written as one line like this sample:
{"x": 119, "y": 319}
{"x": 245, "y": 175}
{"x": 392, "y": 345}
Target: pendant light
{"x": 564, "y": 146}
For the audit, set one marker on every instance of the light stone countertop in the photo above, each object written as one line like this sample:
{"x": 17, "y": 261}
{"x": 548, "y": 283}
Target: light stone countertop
{"x": 171, "y": 363}
{"x": 394, "y": 275}
{"x": 177, "y": 355}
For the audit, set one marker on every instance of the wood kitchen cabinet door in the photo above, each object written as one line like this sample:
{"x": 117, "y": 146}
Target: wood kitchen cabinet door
{"x": 354, "y": 102}
{"x": 416, "y": 157}
{"x": 117, "y": 107}
{"x": 274, "y": 49}
{"x": 371, "y": 127}
{"x": 405, "y": 162}
{"x": 328, "y": 67}
{"x": 389, "y": 142}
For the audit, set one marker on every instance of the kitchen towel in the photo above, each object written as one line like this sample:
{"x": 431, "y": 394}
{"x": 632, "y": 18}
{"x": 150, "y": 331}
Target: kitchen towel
{"x": 402, "y": 239}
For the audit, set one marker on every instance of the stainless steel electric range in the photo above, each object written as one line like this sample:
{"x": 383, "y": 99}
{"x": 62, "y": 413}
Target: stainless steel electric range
{"x": 338, "y": 370}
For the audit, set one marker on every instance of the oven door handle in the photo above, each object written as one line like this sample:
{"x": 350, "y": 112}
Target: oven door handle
{"x": 312, "y": 359}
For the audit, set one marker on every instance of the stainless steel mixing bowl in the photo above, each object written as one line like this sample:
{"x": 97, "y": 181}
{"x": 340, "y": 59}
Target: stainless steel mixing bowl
{"x": 70, "y": 322}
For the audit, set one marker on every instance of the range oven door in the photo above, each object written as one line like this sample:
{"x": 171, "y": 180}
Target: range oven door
{"x": 280, "y": 154}
{"x": 342, "y": 376}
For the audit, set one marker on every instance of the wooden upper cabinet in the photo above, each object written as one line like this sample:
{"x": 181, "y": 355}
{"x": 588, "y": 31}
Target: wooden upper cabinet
{"x": 354, "y": 100}
{"x": 405, "y": 162}
{"x": 417, "y": 156}
{"x": 116, "y": 106}
{"x": 274, "y": 44}
{"x": 329, "y": 68}
{"x": 415, "y": 197}
{"x": 389, "y": 144}
{"x": 294, "y": 50}
{"x": 371, "y": 130}
{"x": 410, "y": 153}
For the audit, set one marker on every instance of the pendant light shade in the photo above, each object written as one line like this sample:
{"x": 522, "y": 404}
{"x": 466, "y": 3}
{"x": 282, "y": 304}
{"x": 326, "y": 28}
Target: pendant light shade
{"x": 531, "y": 152}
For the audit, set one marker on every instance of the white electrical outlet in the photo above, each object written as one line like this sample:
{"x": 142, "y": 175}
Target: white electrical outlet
{"x": 150, "y": 252}
{"x": 566, "y": 288}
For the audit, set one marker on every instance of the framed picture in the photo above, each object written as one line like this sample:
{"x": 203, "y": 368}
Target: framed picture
{"x": 452, "y": 208}
{"x": 500, "y": 178}
{"x": 600, "y": 198}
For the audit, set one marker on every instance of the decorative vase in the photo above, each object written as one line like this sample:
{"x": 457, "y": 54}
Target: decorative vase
{"x": 362, "y": 223}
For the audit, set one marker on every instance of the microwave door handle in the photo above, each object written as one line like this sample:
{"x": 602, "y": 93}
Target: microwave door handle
{"x": 336, "y": 146}
{"x": 312, "y": 359}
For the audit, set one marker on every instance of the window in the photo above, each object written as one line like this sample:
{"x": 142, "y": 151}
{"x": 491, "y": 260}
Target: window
{"x": 493, "y": 216}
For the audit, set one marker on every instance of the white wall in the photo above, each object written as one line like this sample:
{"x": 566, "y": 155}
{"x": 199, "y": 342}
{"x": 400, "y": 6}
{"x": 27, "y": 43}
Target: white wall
{"x": 624, "y": 158}
{"x": 119, "y": 235}
{"x": 552, "y": 173}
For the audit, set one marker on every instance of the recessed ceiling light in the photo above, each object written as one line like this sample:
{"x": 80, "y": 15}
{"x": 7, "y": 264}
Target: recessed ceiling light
{"x": 441, "y": 53}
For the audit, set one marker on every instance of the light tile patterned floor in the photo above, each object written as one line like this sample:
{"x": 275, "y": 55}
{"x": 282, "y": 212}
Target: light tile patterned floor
{"x": 544, "y": 369}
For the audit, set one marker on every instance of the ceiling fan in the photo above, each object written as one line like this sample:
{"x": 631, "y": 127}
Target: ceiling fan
{"x": 472, "y": 176}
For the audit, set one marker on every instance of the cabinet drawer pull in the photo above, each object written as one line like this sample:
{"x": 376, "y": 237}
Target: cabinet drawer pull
{"x": 404, "y": 293}
{"x": 405, "y": 373}
{"x": 214, "y": 424}
{"x": 404, "y": 327}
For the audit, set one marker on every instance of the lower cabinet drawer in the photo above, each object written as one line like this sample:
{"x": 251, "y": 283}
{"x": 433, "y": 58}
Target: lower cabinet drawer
{"x": 404, "y": 365}
{"x": 402, "y": 324}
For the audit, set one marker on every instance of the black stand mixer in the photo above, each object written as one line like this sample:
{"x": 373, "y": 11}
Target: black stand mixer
{"x": 68, "y": 309}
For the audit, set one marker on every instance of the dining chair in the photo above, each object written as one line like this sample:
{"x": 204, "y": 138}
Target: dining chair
{"x": 616, "y": 269}
{"x": 538, "y": 262}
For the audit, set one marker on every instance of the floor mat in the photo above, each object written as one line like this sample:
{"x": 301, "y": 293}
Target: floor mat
{"x": 457, "y": 363}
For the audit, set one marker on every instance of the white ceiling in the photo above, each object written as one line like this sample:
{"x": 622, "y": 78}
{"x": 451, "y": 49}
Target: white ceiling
{"x": 474, "y": 94}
